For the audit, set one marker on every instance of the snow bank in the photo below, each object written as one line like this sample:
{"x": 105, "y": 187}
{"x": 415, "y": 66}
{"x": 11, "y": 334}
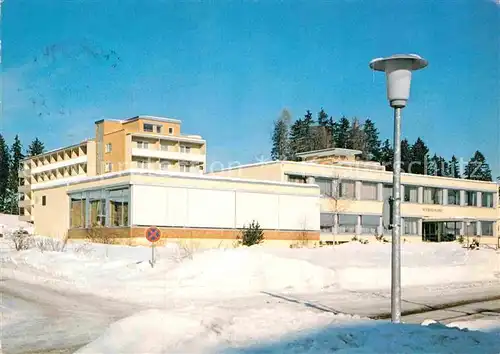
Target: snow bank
{"x": 280, "y": 330}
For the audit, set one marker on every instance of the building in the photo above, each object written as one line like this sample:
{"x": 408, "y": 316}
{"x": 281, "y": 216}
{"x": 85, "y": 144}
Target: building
{"x": 142, "y": 142}
{"x": 142, "y": 172}
{"x": 352, "y": 194}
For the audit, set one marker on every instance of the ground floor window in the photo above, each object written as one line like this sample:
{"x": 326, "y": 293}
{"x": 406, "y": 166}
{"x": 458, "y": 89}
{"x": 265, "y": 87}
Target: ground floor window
{"x": 327, "y": 222}
{"x": 441, "y": 231}
{"x": 77, "y": 210}
{"x": 410, "y": 226}
{"x": 118, "y": 206}
{"x": 370, "y": 224}
{"x": 347, "y": 224}
{"x": 487, "y": 228}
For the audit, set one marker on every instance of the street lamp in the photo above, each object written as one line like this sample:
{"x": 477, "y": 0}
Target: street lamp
{"x": 398, "y": 70}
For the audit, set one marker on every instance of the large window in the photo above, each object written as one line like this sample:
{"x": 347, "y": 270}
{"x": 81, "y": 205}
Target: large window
{"x": 325, "y": 186}
{"x": 297, "y": 179}
{"x": 368, "y": 191}
{"x": 346, "y": 189}
{"x": 143, "y": 145}
{"x": 411, "y": 194}
{"x": 433, "y": 195}
{"x": 410, "y": 226}
{"x": 387, "y": 191}
{"x": 369, "y": 224}
{"x": 97, "y": 201}
{"x": 487, "y": 200}
{"x": 185, "y": 149}
{"x": 148, "y": 127}
{"x": 453, "y": 197}
{"x": 326, "y": 222}
{"x": 471, "y": 228}
{"x": 487, "y": 228}
{"x": 347, "y": 224}
{"x": 77, "y": 210}
{"x": 471, "y": 198}
{"x": 118, "y": 207}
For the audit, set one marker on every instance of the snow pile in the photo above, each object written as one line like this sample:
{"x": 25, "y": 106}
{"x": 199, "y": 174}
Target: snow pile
{"x": 283, "y": 330}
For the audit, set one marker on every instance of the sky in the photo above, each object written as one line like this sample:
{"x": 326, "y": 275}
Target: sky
{"x": 228, "y": 68}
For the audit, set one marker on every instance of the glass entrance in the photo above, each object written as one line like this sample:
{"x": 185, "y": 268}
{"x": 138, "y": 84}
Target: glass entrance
{"x": 441, "y": 231}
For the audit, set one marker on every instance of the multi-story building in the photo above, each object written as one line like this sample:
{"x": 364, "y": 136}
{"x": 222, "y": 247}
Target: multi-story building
{"x": 142, "y": 142}
{"x": 353, "y": 193}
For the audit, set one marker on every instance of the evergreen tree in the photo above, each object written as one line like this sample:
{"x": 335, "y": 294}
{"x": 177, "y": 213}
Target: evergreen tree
{"x": 420, "y": 160}
{"x": 4, "y": 173}
{"x": 323, "y": 131}
{"x": 406, "y": 156}
{"x": 372, "y": 142}
{"x": 453, "y": 168}
{"x": 310, "y": 133}
{"x": 35, "y": 148}
{"x": 356, "y": 139}
{"x": 477, "y": 168}
{"x": 322, "y": 118}
{"x": 16, "y": 157}
{"x": 281, "y": 144}
{"x": 433, "y": 166}
{"x": 341, "y": 133}
{"x": 387, "y": 155}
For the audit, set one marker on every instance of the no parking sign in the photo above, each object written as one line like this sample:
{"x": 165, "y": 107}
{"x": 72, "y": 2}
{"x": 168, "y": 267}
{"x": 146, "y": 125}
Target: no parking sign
{"x": 153, "y": 234}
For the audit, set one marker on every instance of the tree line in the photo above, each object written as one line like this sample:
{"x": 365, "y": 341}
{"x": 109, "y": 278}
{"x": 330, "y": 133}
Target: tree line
{"x": 309, "y": 134}
{"x": 10, "y": 160}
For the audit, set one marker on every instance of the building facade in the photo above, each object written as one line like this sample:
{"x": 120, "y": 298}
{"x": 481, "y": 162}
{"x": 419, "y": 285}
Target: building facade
{"x": 142, "y": 142}
{"x": 353, "y": 193}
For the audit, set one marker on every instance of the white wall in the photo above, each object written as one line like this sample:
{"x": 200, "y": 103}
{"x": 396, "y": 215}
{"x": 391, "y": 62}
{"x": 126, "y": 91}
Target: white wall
{"x": 190, "y": 207}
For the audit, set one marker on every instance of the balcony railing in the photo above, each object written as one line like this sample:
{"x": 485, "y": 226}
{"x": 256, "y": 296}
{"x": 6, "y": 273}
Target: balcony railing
{"x": 169, "y": 155}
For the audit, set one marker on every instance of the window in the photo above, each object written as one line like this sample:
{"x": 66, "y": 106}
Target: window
{"x": 148, "y": 127}
{"x": 451, "y": 230}
{"x": 369, "y": 224}
{"x": 143, "y": 164}
{"x": 158, "y": 129}
{"x": 297, "y": 179}
{"x": 185, "y": 149}
{"x": 118, "y": 207}
{"x": 108, "y": 147}
{"x": 325, "y": 186}
{"x": 487, "y": 200}
{"x": 164, "y": 147}
{"x": 326, "y": 222}
{"x": 77, "y": 211}
{"x": 164, "y": 165}
{"x": 108, "y": 167}
{"x": 44, "y": 200}
{"x": 184, "y": 167}
{"x": 432, "y": 195}
{"x": 170, "y": 131}
{"x": 453, "y": 197}
{"x": 471, "y": 198}
{"x": 411, "y": 194}
{"x": 347, "y": 189}
{"x": 347, "y": 224}
{"x": 368, "y": 191}
{"x": 487, "y": 228}
{"x": 21, "y": 211}
{"x": 143, "y": 145}
{"x": 97, "y": 203}
{"x": 22, "y": 196}
{"x": 410, "y": 226}
{"x": 471, "y": 228}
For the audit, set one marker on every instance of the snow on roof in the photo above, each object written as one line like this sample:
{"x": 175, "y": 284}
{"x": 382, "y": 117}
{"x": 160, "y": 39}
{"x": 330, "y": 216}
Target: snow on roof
{"x": 330, "y": 152}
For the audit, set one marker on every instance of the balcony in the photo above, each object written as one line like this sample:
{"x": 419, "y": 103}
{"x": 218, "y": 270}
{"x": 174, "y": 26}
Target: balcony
{"x": 169, "y": 155}
{"x": 59, "y": 164}
{"x": 25, "y": 203}
{"x": 24, "y": 188}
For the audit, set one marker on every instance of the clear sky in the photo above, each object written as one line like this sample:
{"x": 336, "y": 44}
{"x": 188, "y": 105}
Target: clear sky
{"x": 227, "y": 68}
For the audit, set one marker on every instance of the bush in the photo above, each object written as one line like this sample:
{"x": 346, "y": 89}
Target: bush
{"x": 251, "y": 235}
{"x": 461, "y": 239}
{"x": 99, "y": 234}
{"x": 22, "y": 240}
{"x": 51, "y": 244}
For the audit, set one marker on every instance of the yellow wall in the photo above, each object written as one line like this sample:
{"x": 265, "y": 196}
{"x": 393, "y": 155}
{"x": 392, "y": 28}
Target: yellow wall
{"x": 136, "y": 126}
{"x": 117, "y": 154}
{"x": 268, "y": 172}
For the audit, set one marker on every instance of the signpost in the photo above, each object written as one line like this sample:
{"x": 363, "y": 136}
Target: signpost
{"x": 153, "y": 234}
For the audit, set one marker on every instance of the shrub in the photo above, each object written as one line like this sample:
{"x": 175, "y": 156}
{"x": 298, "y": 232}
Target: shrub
{"x": 461, "y": 239}
{"x": 251, "y": 235}
{"x": 22, "y": 240}
{"x": 99, "y": 234}
{"x": 51, "y": 244}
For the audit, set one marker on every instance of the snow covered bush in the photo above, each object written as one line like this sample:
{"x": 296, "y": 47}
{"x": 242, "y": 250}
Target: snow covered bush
{"x": 251, "y": 234}
{"x": 22, "y": 240}
{"x": 98, "y": 234}
{"x": 51, "y": 244}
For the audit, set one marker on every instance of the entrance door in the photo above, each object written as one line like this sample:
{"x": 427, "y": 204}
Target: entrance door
{"x": 439, "y": 231}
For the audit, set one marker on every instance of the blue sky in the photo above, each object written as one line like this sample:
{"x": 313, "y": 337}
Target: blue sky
{"x": 227, "y": 68}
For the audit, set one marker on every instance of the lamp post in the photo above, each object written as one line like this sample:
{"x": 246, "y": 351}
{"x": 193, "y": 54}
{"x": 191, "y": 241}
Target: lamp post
{"x": 398, "y": 70}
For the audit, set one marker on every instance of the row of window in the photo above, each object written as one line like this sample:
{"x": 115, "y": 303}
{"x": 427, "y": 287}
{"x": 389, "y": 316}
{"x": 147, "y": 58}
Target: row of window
{"x": 431, "y": 195}
{"x": 163, "y": 147}
{"x": 165, "y": 166}
{"x": 99, "y": 208}
{"x": 154, "y": 128}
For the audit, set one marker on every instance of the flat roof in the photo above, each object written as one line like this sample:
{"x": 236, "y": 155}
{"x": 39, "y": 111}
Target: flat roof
{"x": 141, "y": 116}
{"x": 57, "y": 150}
{"x": 330, "y": 152}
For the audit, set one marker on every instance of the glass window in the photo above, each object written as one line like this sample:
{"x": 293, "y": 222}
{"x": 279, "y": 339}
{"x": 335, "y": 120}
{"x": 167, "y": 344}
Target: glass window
{"x": 325, "y": 186}
{"x": 164, "y": 165}
{"x": 44, "y": 200}
{"x": 346, "y": 189}
{"x": 470, "y": 198}
{"x": 184, "y": 167}
{"x": 487, "y": 228}
{"x": 164, "y": 147}
{"x": 108, "y": 167}
{"x": 142, "y": 164}
{"x": 171, "y": 131}
{"x": 369, "y": 224}
{"x": 326, "y": 222}
{"x": 297, "y": 179}
{"x": 471, "y": 228}
{"x": 158, "y": 128}
{"x": 487, "y": 200}
{"x": 432, "y": 195}
{"x": 185, "y": 149}
{"x": 453, "y": 197}
{"x": 21, "y": 211}
{"x": 411, "y": 194}
{"x": 108, "y": 147}
{"x": 368, "y": 191}
{"x": 118, "y": 207}
{"x": 97, "y": 203}
{"x": 410, "y": 226}
{"x": 77, "y": 211}
{"x": 148, "y": 127}
{"x": 347, "y": 224}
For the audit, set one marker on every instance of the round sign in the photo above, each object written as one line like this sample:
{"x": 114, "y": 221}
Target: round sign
{"x": 153, "y": 234}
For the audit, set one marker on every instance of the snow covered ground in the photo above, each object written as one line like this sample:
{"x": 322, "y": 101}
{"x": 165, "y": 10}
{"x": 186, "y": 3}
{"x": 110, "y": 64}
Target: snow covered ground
{"x": 258, "y": 299}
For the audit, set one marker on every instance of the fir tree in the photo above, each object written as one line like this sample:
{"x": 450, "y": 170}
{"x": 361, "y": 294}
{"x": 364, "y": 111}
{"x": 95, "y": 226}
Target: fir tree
{"x": 16, "y": 157}
{"x": 281, "y": 144}
{"x": 323, "y": 131}
{"x": 356, "y": 138}
{"x": 453, "y": 168}
{"x": 420, "y": 161}
{"x": 372, "y": 142}
{"x": 477, "y": 168}
{"x": 406, "y": 155}
{"x": 35, "y": 148}
{"x": 4, "y": 174}
{"x": 322, "y": 118}
{"x": 387, "y": 155}
{"x": 297, "y": 142}
{"x": 341, "y": 133}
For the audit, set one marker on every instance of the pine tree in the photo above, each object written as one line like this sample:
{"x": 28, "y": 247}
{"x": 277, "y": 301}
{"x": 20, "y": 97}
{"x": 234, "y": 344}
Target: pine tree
{"x": 341, "y": 133}
{"x": 323, "y": 131}
{"x": 453, "y": 168}
{"x": 387, "y": 155}
{"x": 16, "y": 157}
{"x": 420, "y": 159}
{"x": 406, "y": 156}
{"x": 322, "y": 118}
{"x": 297, "y": 143}
{"x": 477, "y": 168}
{"x": 310, "y": 133}
{"x": 281, "y": 144}
{"x": 35, "y": 148}
{"x": 372, "y": 146}
{"x": 4, "y": 173}
{"x": 356, "y": 138}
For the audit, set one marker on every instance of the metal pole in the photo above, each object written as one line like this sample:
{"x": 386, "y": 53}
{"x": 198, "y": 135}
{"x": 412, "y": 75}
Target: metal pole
{"x": 396, "y": 230}
{"x": 152, "y": 255}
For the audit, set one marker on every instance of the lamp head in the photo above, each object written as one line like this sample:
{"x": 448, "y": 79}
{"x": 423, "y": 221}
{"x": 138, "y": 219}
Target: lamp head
{"x": 398, "y": 70}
